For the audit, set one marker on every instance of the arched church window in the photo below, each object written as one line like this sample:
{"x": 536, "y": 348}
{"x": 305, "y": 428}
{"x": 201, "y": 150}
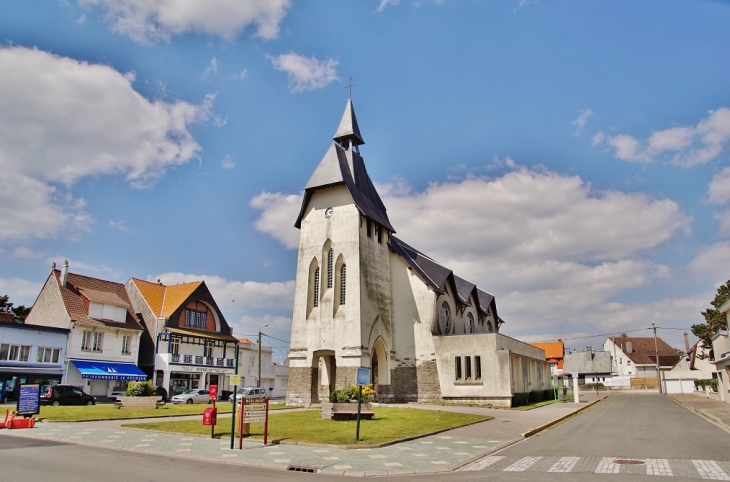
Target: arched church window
{"x": 489, "y": 326}
{"x": 330, "y": 255}
{"x": 469, "y": 328}
{"x": 445, "y": 319}
{"x": 315, "y": 301}
{"x": 343, "y": 276}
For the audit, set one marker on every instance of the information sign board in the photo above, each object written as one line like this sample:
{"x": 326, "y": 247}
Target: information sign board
{"x": 363, "y": 376}
{"x": 235, "y": 379}
{"x": 29, "y": 399}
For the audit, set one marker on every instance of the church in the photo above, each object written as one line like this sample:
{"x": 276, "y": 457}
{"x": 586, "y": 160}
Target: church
{"x": 366, "y": 298}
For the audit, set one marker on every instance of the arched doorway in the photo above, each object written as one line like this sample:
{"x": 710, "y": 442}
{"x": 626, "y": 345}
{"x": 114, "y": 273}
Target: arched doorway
{"x": 379, "y": 372}
{"x": 324, "y": 375}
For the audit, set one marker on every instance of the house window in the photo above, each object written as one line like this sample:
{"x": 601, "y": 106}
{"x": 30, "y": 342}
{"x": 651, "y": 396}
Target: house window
{"x": 330, "y": 273}
{"x": 620, "y": 361}
{"x": 315, "y": 301}
{"x": 469, "y": 323}
{"x": 445, "y": 319}
{"x": 628, "y": 363}
{"x": 196, "y": 319}
{"x": 343, "y": 276}
{"x": 377, "y": 233}
{"x": 92, "y": 341}
{"x": 208, "y": 350}
{"x": 127, "y": 345}
{"x": 175, "y": 346}
{"x": 370, "y": 229}
{"x": 467, "y": 367}
{"x": 48, "y": 355}
{"x": 14, "y": 352}
{"x": 457, "y": 362}
{"x": 477, "y": 368}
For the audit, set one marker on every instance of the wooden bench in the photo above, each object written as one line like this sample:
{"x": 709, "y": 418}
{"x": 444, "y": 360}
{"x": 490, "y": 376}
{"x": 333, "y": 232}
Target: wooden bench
{"x": 139, "y": 403}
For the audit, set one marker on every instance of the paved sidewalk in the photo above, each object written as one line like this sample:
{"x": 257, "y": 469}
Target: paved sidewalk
{"x": 443, "y": 452}
{"x": 715, "y": 411}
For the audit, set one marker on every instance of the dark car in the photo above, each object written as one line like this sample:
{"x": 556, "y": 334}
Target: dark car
{"x": 65, "y": 395}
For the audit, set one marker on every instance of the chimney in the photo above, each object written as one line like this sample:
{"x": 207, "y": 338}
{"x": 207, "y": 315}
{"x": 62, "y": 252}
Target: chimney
{"x": 53, "y": 267}
{"x": 64, "y": 273}
{"x": 686, "y": 342}
{"x": 629, "y": 348}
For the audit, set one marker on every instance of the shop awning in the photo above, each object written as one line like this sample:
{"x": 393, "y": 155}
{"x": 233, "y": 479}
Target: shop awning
{"x": 109, "y": 371}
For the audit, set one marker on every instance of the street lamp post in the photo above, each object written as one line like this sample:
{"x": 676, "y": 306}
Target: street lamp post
{"x": 656, "y": 354}
{"x": 258, "y": 379}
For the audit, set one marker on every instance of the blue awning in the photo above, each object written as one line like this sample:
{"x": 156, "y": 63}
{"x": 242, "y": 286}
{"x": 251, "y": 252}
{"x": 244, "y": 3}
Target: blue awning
{"x": 109, "y": 371}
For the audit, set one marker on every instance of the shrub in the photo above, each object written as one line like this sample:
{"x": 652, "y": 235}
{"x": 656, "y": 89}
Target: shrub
{"x": 140, "y": 389}
{"x": 519, "y": 399}
{"x": 593, "y": 386}
{"x": 702, "y": 383}
{"x": 535, "y": 397}
{"x": 347, "y": 394}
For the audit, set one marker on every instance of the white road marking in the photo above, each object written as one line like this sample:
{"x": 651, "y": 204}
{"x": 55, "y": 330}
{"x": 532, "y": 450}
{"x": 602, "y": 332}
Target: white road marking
{"x": 708, "y": 469}
{"x": 565, "y": 464}
{"x": 658, "y": 467}
{"x": 523, "y": 464}
{"x": 485, "y": 462}
{"x": 606, "y": 466}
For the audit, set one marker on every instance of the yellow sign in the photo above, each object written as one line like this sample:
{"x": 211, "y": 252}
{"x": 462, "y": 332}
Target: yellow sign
{"x": 235, "y": 379}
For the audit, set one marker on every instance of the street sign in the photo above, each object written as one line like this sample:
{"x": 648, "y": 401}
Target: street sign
{"x": 363, "y": 376}
{"x": 235, "y": 379}
{"x": 29, "y": 399}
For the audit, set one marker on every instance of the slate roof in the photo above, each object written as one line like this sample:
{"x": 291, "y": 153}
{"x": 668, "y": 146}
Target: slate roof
{"x": 435, "y": 275}
{"x": 340, "y": 166}
{"x": 103, "y": 291}
{"x": 643, "y": 352}
{"x": 586, "y": 362}
{"x": 348, "y": 128}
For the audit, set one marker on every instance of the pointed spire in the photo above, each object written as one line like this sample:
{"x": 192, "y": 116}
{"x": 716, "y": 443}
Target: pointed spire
{"x": 348, "y": 132}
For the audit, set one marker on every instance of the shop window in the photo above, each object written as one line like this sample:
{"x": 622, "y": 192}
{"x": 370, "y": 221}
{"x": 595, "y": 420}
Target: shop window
{"x": 48, "y": 355}
{"x": 457, "y": 362}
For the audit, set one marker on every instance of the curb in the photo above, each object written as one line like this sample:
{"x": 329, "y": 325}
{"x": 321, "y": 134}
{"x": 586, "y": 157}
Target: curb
{"x": 714, "y": 421}
{"x": 549, "y": 424}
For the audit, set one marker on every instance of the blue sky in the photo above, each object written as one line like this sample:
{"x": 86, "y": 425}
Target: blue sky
{"x": 571, "y": 158}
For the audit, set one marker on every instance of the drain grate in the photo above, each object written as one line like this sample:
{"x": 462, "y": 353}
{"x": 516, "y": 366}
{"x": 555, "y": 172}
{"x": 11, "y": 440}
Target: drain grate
{"x": 628, "y": 462}
{"x": 303, "y": 468}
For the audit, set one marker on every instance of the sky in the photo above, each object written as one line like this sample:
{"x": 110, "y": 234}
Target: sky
{"x": 568, "y": 157}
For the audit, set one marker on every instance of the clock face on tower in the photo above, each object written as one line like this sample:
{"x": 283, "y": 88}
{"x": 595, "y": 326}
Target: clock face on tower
{"x": 328, "y": 212}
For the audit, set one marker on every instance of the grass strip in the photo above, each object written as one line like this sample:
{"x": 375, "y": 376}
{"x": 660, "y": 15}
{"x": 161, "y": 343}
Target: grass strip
{"x": 309, "y": 427}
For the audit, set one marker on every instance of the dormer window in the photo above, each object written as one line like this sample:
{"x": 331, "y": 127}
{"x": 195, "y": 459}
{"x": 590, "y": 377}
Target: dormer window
{"x": 103, "y": 311}
{"x": 196, "y": 319}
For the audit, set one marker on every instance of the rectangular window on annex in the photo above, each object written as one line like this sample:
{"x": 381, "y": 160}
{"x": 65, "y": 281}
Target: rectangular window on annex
{"x": 467, "y": 367}
{"x": 477, "y": 368}
{"x": 457, "y": 363}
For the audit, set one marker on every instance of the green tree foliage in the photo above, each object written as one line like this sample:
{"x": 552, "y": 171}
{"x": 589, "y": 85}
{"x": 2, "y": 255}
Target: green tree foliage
{"x": 20, "y": 312}
{"x": 714, "y": 319}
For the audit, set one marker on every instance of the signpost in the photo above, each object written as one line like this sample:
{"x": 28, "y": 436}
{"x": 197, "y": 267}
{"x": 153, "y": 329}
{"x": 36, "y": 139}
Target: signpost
{"x": 363, "y": 378}
{"x": 253, "y": 410}
{"x": 210, "y": 415}
{"x": 234, "y": 381}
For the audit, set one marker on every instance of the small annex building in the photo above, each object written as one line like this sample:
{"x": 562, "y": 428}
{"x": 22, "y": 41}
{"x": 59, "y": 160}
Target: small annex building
{"x": 365, "y": 298}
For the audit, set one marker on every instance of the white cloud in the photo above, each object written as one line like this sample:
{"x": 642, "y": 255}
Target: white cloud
{"x": 151, "y": 20}
{"x": 598, "y": 138}
{"x": 581, "y": 121}
{"x": 279, "y": 211}
{"x": 385, "y": 3}
{"x": 227, "y": 162}
{"x": 120, "y": 225}
{"x": 21, "y": 291}
{"x": 305, "y": 73}
{"x": 718, "y": 191}
{"x": 64, "y": 120}
{"x": 686, "y": 146}
{"x": 711, "y": 264}
{"x": 724, "y": 219}
{"x": 553, "y": 250}
{"x": 212, "y": 67}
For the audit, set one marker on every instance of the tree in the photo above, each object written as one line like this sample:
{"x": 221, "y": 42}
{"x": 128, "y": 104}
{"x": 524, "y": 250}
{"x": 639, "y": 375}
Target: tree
{"x": 20, "y": 312}
{"x": 714, "y": 319}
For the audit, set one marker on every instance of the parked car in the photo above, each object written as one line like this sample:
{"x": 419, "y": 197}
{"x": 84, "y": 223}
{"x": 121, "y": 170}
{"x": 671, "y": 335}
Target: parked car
{"x": 65, "y": 395}
{"x": 194, "y": 395}
{"x": 248, "y": 392}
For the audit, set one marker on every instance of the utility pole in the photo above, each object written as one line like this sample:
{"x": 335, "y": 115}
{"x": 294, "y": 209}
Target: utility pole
{"x": 656, "y": 354}
{"x": 258, "y": 380}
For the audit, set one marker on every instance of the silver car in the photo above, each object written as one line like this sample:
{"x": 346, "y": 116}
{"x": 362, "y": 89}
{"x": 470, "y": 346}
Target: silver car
{"x": 195, "y": 395}
{"x": 248, "y": 392}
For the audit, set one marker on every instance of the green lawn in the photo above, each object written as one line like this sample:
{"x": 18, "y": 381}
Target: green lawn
{"x": 530, "y": 406}
{"x": 110, "y": 412}
{"x": 308, "y": 426}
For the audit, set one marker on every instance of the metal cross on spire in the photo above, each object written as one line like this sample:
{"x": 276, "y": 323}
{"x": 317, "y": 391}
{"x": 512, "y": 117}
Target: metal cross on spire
{"x": 350, "y": 86}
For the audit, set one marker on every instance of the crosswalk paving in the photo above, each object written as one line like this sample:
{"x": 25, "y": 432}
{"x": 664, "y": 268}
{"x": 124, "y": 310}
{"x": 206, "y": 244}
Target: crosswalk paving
{"x": 684, "y": 468}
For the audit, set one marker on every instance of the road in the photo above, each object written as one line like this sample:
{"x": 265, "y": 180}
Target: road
{"x": 648, "y": 429}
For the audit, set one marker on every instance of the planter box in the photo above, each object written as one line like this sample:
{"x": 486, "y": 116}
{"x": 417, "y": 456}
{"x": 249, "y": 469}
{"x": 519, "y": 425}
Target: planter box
{"x": 346, "y": 411}
{"x": 139, "y": 403}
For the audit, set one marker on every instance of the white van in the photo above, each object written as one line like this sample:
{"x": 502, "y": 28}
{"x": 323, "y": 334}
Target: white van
{"x": 248, "y": 392}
